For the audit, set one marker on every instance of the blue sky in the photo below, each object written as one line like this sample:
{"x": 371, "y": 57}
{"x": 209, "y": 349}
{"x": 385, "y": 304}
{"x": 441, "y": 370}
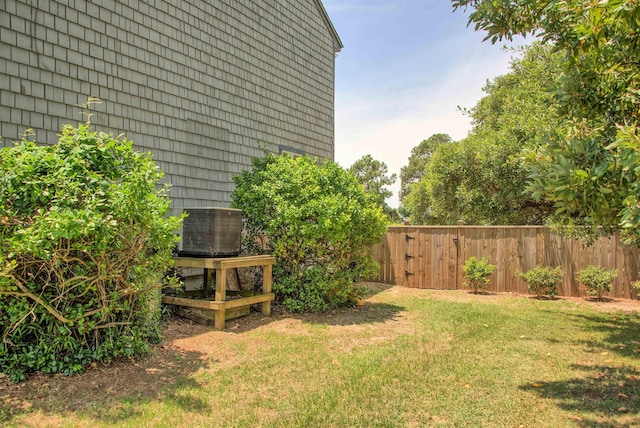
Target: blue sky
{"x": 405, "y": 68}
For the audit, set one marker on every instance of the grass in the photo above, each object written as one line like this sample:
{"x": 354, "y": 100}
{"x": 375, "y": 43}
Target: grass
{"x": 405, "y": 358}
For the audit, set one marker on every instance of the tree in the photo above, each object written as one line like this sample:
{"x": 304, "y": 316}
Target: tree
{"x": 420, "y": 156}
{"x": 318, "y": 222}
{"x": 590, "y": 173}
{"x": 417, "y": 204}
{"x": 372, "y": 174}
{"x": 437, "y": 188}
{"x": 481, "y": 179}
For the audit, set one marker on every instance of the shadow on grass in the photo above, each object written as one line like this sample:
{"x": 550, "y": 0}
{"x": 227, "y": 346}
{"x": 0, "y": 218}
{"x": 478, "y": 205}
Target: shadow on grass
{"x": 482, "y": 293}
{"x": 619, "y": 333}
{"x": 543, "y": 297}
{"x": 374, "y": 288}
{"x": 605, "y": 397}
{"x": 111, "y": 394}
{"x": 364, "y": 313}
{"x": 601, "y": 299}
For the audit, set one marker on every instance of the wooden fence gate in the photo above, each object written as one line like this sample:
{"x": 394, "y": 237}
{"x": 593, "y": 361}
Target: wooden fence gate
{"x": 419, "y": 257}
{"x": 433, "y": 256}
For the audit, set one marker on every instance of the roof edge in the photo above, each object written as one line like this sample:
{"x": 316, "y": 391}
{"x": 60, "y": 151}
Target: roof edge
{"x": 337, "y": 43}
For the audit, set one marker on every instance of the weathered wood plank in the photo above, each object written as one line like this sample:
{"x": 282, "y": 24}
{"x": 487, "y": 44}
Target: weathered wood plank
{"x": 228, "y": 262}
{"x": 192, "y": 303}
{"x": 266, "y": 289}
{"x": 246, "y": 301}
{"x": 240, "y": 262}
{"x": 412, "y": 248}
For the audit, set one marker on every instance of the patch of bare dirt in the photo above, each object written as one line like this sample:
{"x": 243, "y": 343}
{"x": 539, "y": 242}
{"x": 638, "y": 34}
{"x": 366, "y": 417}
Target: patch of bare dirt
{"x": 107, "y": 383}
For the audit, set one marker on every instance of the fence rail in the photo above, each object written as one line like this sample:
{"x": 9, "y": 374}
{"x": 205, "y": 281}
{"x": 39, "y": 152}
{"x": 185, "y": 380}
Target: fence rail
{"x": 433, "y": 256}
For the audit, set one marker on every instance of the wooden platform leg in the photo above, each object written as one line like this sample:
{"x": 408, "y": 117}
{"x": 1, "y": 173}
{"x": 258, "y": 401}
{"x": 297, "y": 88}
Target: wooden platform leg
{"x": 207, "y": 281}
{"x": 221, "y": 285}
{"x": 218, "y": 319}
{"x": 221, "y": 296}
{"x": 267, "y": 272}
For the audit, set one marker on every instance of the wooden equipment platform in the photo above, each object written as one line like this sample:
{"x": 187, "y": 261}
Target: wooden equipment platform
{"x": 220, "y": 305}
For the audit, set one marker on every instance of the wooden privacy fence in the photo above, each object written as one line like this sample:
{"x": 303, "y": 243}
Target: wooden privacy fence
{"x": 433, "y": 256}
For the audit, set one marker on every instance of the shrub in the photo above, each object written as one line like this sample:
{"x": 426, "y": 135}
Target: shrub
{"x": 597, "y": 280}
{"x": 85, "y": 242}
{"x": 543, "y": 281}
{"x": 477, "y": 272}
{"x": 317, "y": 221}
{"x": 636, "y": 286}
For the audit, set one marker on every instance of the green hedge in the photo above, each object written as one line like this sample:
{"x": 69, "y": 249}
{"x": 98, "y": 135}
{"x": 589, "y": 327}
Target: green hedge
{"x": 318, "y": 222}
{"x": 85, "y": 241}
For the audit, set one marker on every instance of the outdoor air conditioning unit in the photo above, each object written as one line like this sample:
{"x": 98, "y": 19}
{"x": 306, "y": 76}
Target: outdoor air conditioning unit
{"x": 211, "y": 232}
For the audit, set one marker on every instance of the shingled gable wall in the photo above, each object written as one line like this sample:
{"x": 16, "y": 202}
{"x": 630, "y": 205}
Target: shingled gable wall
{"x": 204, "y": 85}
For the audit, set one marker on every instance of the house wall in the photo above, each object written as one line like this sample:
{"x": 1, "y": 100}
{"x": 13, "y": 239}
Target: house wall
{"x": 204, "y": 85}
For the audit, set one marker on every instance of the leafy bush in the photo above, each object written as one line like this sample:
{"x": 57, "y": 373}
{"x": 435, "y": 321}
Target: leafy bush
{"x": 597, "y": 280}
{"x": 318, "y": 222}
{"x": 477, "y": 272}
{"x": 543, "y": 281}
{"x": 85, "y": 242}
{"x": 636, "y": 286}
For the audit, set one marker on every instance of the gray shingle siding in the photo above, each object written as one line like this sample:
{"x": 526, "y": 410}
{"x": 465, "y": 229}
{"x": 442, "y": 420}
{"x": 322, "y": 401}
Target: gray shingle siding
{"x": 204, "y": 85}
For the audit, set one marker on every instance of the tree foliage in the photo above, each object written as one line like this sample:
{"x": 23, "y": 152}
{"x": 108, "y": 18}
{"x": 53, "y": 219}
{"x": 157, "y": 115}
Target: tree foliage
{"x": 591, "y": 173}
{"x": 418, "y": 160}
{"x": 482, "y": 178}
{"x": 373, "y": 175}
{"x": 318, "y": 222}
{"x": 85, "y": 242}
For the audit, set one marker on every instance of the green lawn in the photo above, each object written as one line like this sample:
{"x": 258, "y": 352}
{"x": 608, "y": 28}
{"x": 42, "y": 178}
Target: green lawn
{"x": 405, "y": 358}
